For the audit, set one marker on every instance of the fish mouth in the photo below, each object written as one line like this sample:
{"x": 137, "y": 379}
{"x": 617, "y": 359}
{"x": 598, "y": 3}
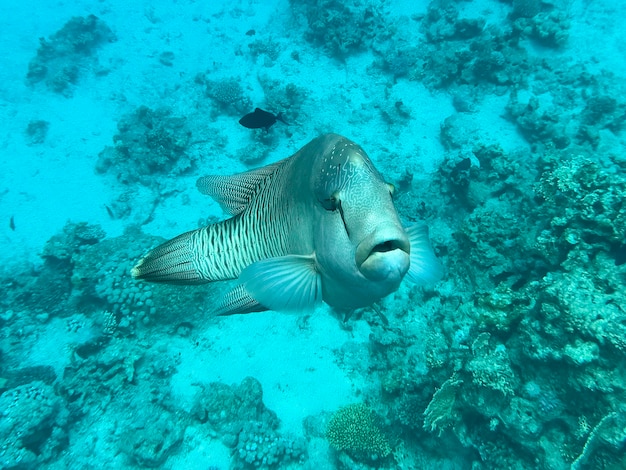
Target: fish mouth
{"x": 383, "y": 254}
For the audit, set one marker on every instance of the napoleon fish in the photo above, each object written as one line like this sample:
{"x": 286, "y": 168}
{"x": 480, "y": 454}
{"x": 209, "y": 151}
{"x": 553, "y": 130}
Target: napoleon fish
{"x": 318, "y": 226}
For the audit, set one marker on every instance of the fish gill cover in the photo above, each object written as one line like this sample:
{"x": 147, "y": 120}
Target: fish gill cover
{"x": 500, "y": 124}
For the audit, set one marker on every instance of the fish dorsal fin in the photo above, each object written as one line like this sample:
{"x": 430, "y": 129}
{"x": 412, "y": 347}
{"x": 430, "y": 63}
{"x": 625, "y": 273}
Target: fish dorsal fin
{"x": 285, "y": 283}
{"x": 233, "y": 193}
{"x": 425, "y": 267}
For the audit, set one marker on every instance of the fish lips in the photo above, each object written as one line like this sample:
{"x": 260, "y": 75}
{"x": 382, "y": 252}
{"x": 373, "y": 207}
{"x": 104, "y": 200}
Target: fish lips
{"x": 384, "y": 254}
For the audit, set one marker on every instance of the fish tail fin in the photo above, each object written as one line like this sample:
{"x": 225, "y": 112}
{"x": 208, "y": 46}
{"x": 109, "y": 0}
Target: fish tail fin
{"x": 172, "y": 262}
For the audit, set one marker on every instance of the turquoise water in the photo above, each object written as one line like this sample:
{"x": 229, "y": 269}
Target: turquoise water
{"x": 500, "y": 124}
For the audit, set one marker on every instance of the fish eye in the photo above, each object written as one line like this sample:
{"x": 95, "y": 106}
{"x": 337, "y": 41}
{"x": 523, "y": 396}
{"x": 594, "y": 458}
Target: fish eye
{"x": 333, "y": 203}
{"x": 330, "y": 204}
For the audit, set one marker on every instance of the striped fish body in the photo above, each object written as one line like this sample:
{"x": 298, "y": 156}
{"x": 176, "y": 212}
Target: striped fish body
{"x": 319, "y": 225}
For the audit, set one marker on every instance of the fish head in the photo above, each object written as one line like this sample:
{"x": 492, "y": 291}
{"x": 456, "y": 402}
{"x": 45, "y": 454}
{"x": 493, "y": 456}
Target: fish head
{"x": 361, "y": 247}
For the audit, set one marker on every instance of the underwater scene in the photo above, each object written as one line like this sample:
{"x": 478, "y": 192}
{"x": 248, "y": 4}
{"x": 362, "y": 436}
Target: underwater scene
{"x": 313, "y": 234}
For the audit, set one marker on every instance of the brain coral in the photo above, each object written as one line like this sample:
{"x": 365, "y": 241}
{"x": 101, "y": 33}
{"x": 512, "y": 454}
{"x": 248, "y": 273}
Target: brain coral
{"x": 354, "y": 429}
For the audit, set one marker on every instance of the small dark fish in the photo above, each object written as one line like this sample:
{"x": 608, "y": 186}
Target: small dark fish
{"x": 250, "y": 32}
{"x": 260, "y": 119}
{"x": 110, "y": 212}
{"x": 12, "y": 223}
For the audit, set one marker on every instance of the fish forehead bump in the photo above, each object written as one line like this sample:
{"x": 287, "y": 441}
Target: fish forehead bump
{"x": 341, "y": 151}
{"x": 342, "y": 154}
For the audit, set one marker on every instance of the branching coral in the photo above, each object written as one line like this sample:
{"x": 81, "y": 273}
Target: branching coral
{"x": 441, "y": 412}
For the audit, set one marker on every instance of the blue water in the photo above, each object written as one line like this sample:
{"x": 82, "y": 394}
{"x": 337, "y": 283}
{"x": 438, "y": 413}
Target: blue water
{"x": 500, "y": 124}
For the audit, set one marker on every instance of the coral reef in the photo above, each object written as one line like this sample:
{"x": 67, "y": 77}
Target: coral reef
{"x": 594, "y": 219}
{"x": 105, "y": 371}
{"x": 47, "y": 291}
{"x": 259, "y": 446}
{"x": 227, "y": 94}
{"x": 537, "y": 123}
{"x": 84, "y": 271}
{"x": 518, "y": 364}
{"x": 224, "y": 407}
{"x": 342, "y": 28}
{"x": 36, "y": 131}
{"x": 461, "y": 51}
{"x": 101, "y": 277}
{"x": 74, "y": 237}
{"x": 549, "y": 29}
{"x": 286, "y": 98}
{"x": 514, "y": 360}
{"x": 549, "y": 114}
{"x": 399, "y": 60}
{"x": 440, "y": 412}
{"x": 237, "y": 414}
{"x": 525, "y": 8}
{"x": 355, "y": 429}
{"x": 33, "y": 428}
{"x": 149, "y": 142}
{"x": 60, "y": 59}
{"x": 154, "y": 435}
{"x": 253, "y": 154}
{"x": 267, "y": 47}
{"x": 443, "y": 23}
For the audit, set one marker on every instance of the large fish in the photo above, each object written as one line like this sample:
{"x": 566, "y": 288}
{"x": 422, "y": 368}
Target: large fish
{"x": 317, "y": 226}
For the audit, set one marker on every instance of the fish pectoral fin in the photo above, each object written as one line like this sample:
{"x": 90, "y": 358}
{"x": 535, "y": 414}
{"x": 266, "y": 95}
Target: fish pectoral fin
{"x": 425, "y": 267}
{"x": 234, "y": 193}
{"x": 285, "y": 283}
{"x": 237, "y": 301}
